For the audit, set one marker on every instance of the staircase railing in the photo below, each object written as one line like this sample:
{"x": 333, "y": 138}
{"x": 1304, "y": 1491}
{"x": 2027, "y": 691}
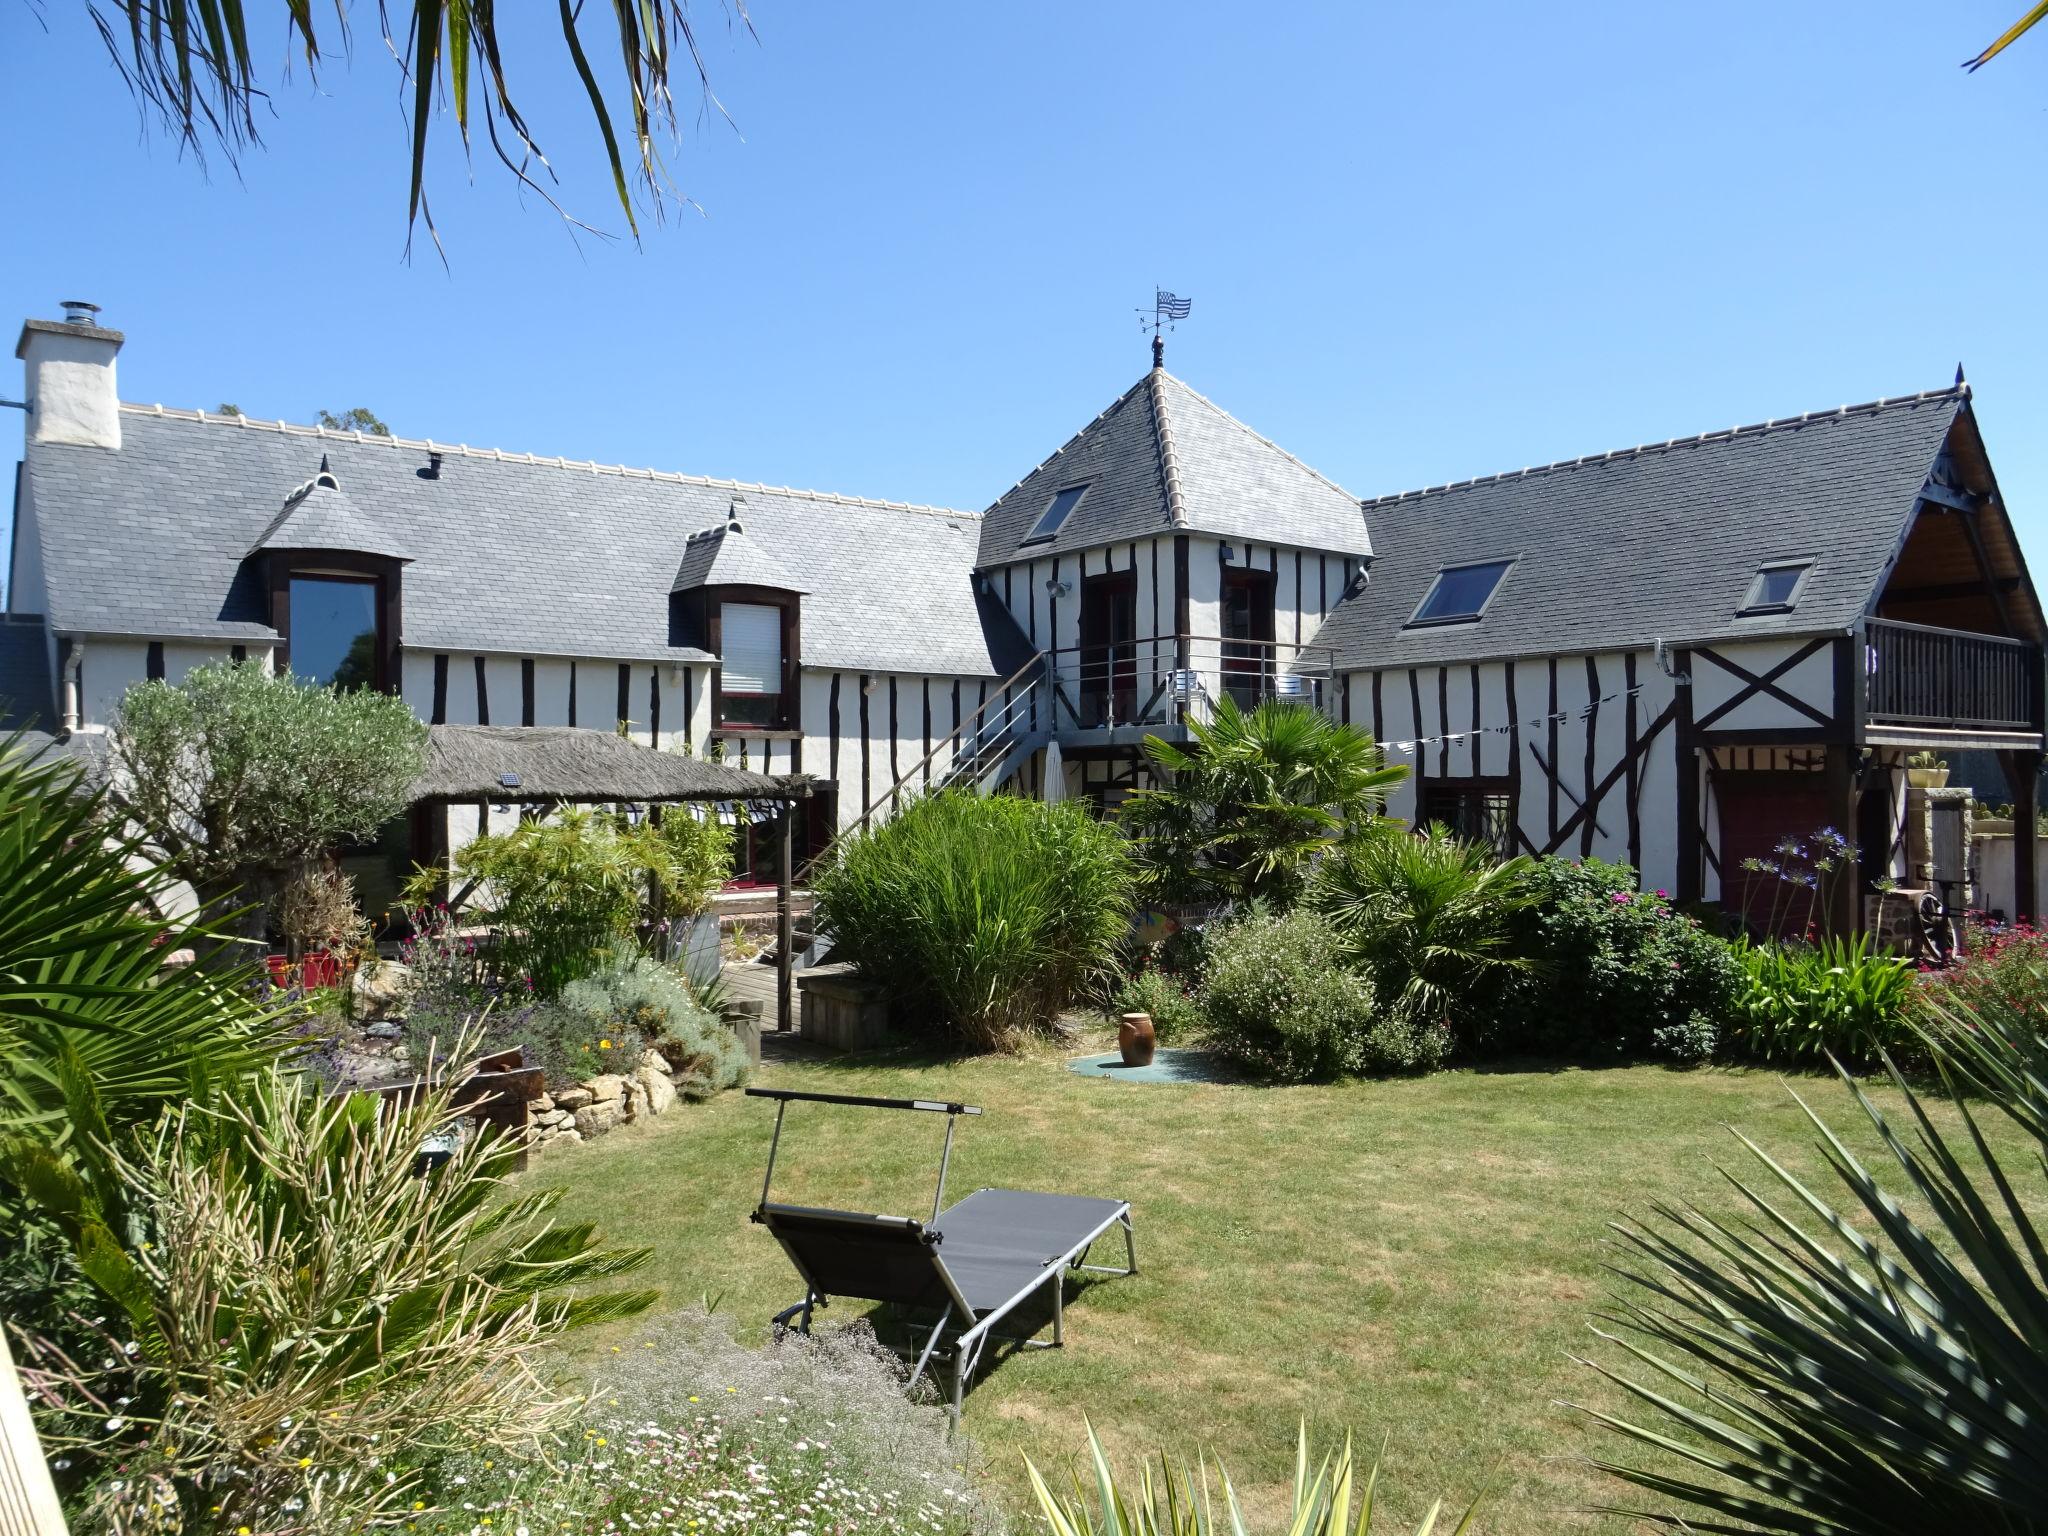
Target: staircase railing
{"x": 978, "y": 744}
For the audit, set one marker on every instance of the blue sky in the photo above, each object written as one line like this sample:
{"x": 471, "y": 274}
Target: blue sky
{"x": 1423, "y": 242}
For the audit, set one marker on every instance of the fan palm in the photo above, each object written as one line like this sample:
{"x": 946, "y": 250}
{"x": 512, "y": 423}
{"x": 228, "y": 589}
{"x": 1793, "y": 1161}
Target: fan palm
{"x": 190, "y": 62}
{"x": 1816, "y": 1375}
{"x": 1258, "y": 797}
{"x": 1431, "y": 917}
{"x": 82, "y": 978}
{"x": 2008, "y": 37}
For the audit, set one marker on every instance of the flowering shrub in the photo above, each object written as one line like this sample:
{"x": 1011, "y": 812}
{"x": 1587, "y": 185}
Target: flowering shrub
{"x": 1622, "y": 973}
{"x": 2004, "y": 965}
{"x": 1805, "y": 874}
{"x": 692, "y": 1433}
{"x": 1281, "y": 1001}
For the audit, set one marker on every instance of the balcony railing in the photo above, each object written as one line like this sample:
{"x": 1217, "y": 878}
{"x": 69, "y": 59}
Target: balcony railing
{"x": 1948, "y": 679}
{"x": 1161, "y": 679}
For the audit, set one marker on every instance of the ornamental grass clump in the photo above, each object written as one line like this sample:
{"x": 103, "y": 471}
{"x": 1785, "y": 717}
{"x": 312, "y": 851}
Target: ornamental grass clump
{"x": 981, "y": 916}
{"x": 1331, "y": 1500}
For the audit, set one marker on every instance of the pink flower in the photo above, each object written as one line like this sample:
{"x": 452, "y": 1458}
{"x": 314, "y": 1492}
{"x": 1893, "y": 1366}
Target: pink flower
{"x": 1661, "y": 896}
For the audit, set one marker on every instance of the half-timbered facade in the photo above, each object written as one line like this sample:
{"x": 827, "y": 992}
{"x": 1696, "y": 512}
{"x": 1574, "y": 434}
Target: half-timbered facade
{"x": 1674, "y": 655}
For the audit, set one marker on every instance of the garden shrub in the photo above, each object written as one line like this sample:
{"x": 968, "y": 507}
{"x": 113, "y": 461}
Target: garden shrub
{"x": 2000, "y": 966}
{"x": 633, "y": 1004}
{"x": 1176, "y": 1012}
{"x": 1281, "y": 1002}
{"x": 980, "y": 916}
{"x": 1623, "y": 974}
{"x": 700, "y": 1434}
{"x": 1802, "y": 1002}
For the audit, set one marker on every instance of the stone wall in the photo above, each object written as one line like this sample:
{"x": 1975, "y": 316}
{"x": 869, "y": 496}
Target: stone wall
{"x": 594, "y": 1106}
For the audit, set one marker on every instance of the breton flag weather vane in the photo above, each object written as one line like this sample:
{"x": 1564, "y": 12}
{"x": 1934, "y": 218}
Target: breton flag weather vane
{"x": 1166, "y": 309}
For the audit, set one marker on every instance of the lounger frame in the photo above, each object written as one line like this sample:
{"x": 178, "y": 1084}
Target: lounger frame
{"x": 958, "y": 1339}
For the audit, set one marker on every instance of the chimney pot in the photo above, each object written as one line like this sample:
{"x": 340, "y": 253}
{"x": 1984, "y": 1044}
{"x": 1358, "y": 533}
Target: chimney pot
{"x": 79, "y": 311}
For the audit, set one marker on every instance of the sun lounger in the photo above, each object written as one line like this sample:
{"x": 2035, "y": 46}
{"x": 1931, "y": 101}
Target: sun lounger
{"x": 969, "y": 1266}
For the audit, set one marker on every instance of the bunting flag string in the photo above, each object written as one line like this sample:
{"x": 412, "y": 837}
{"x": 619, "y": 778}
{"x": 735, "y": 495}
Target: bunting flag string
{"x": 1583, "y": 712}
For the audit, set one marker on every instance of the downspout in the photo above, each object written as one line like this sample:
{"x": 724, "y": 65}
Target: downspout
{"x": 70, "y": 670}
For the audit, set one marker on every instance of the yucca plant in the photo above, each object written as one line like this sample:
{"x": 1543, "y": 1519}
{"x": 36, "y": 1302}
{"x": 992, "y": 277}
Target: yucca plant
{"x": 302, "y": 1309}
{"x": 1246, "y": 810}
{"x": 1813, "y": 1372}
{"x": 1432, "y": 918}
{"x": 1331, "y": 1500}
{"x": 82, "y": 976}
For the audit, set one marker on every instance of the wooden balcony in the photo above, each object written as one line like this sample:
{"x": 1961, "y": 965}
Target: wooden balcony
{"x": 1947, "y": 680}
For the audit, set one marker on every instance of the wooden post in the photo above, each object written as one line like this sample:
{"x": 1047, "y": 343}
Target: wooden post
{"x": 1689, "y": 886}
{"x": 28, "y": 1499}
{"x": 785, "y": 927}
{"x": 1843, "y": 916}
{"x": 2022, "y": 774}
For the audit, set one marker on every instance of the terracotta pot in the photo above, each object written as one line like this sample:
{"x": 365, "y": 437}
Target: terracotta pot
{"x": 1135, "y": 1039}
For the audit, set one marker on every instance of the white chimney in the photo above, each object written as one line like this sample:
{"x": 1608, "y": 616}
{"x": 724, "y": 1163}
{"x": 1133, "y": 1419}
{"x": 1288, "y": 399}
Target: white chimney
{"x": 69, "y": 378}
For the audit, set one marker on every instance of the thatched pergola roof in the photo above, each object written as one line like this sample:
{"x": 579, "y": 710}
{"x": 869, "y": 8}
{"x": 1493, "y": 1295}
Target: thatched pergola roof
{"x": 509, "y": 764}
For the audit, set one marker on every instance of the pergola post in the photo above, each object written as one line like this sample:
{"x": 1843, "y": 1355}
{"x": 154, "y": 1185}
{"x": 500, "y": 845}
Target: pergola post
{"x": 785, "y": 926}
{"x": 1844, "y": 915}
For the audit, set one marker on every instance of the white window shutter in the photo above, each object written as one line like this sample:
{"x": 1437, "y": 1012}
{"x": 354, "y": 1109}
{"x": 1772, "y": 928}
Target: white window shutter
{"x": 751, "y": 648}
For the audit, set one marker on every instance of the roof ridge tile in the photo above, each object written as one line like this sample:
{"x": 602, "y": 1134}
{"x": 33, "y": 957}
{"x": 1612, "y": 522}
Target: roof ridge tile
{"x": 1724, "y": 434}
{"x": 502, "y": 456}
{"x": 1169, "y": 463}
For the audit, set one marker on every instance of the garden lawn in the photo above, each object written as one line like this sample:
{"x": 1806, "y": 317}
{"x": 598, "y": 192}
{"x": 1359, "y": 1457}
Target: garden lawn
{"x": 1413, "y": 1259}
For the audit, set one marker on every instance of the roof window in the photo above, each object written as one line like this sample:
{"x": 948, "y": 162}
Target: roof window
{"x": 1460, "y": 593}
{"x": 1777, "y": 586}
{"x": 1057, "y": 511}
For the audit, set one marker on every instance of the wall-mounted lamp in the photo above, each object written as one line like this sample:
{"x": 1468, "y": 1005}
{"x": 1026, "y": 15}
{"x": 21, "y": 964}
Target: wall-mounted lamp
{"x": 1054, "y": 587}
{"x": 1226, "y": 553}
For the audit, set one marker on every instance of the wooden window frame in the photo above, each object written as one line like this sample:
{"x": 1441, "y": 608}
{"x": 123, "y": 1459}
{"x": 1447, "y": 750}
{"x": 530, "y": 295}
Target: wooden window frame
{"x": 386, "y": 573}
{"x": 1490, "y": 786}
{"x": 788, "y": 704}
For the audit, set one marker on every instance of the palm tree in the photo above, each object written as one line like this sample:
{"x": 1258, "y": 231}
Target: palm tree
{"x": 189, "y": 62}
{"x": 1259, "y": 797}
{"x": 1431, "y": 917}
{"x": 2008, "y": 37}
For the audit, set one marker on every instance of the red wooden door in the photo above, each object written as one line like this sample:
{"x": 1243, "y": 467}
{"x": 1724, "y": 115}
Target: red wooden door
{"x": 1758, "y": 812}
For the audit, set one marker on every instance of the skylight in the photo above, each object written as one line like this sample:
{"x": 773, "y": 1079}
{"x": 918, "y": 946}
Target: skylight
{"x": 1061, "y": 508}
{"x": 1776, "y": 588}
{"x": 1460, "y": 593}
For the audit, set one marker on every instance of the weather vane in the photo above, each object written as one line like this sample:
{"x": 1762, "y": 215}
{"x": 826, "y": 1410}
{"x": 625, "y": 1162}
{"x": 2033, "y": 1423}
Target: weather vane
{"x": 1166, "y": 309}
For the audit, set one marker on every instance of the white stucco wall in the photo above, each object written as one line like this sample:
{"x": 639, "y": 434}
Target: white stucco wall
{"x": 72, "y": 394}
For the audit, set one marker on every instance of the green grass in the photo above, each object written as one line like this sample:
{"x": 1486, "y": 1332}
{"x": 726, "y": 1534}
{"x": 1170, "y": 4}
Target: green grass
{"x": 1411, "y": 1259}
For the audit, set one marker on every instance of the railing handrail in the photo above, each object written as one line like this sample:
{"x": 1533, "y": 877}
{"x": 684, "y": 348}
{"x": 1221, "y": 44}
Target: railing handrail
{"x": 1298, "y": 648}
{"x": 1951, "y": 634}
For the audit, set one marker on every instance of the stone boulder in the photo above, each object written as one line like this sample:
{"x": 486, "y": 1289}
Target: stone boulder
{"x": 660, "y": 1092}
{"x": 379, "y": 989}
{"x": 606, "y": 1086}
{"x": 595, "y": 1118}
{"x": 574, "y": 1098}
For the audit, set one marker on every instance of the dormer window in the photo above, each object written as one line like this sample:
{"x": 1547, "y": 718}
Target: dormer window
{"x": 1777, "y": 586}
{"x": 1057, "y": 511}
{"x": 335, "y": 578}
{"x": 1460, "y": 593}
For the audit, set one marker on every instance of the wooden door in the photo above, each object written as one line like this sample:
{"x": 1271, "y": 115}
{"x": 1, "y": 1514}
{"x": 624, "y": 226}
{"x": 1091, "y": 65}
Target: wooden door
{"x": 1247, "y": 635}
{"x": 1109, "y": 656}
{"x": 1759, "y": 811}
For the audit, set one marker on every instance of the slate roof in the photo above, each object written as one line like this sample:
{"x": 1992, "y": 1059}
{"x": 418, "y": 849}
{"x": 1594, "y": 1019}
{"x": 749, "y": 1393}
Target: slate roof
{"x": 1163, "y": 458}
{"x": 1619, "y": 549}
{"x": 319, "y": 515}
{"x": 729, "y": 556}
{"x": 511, "y": 553}
{"x": 25, "y": 700}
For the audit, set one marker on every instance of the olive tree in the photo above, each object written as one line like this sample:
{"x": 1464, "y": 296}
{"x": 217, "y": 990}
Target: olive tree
{"x": 236, "y": 777}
